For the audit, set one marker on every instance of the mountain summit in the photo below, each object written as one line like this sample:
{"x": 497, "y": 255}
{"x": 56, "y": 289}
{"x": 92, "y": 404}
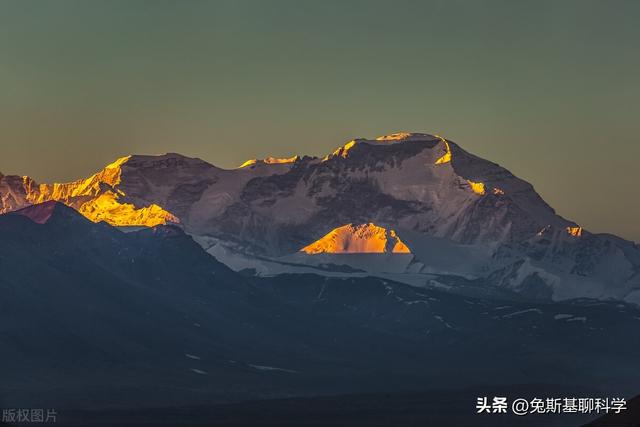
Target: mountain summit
{"x": 460, "y": 215}
{"x": 364, "y": 238}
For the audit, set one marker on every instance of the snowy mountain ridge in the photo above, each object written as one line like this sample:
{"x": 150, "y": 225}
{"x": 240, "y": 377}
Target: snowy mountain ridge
{"x": 459, "y": 215}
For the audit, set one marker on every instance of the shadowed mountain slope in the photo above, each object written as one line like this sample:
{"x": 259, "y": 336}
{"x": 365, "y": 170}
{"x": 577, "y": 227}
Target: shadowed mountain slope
{"x": 91, "y": 316}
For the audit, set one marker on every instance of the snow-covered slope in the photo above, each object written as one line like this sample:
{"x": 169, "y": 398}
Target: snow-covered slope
{"x": 457, "y": 213}
{"x": 363, "y": 238}
{"x": 97, "y": 197}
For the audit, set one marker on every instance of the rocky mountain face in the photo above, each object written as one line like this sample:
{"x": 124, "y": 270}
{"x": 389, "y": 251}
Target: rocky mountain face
{"x": 457, "y": 214}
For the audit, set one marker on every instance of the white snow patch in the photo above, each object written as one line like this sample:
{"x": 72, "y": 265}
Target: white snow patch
{"x": 272, "y": 368}
{"x": 444, "y": 321}
{"x": 419, "y": 301}
{"x": 517, "y": 313}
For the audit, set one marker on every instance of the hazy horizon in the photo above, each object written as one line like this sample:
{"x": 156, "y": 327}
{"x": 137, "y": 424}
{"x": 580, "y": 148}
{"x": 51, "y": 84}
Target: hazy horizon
{"x": 548, "y": 90}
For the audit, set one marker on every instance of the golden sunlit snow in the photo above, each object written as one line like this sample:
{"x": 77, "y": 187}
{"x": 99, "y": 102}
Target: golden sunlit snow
{"x": 446, "y": 158}
{"x": 364, "y": 238}
{"x": 97, "y": 203}
{"x": 477, "y": 187}
{"x": 575, "y": 231}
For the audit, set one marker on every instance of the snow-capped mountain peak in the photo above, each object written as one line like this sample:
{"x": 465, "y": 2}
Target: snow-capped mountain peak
{"x": 459, "y": 214}
{"x": 407, "y": 136}
{"x": 363, "y": 238}
{"x": 385, "y": 140}
{"x": 270, "y": 161}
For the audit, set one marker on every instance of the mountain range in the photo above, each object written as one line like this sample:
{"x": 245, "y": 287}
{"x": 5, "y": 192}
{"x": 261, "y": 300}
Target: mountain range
{"x": 456, "y": 220}
{"x": 92, "y": 317}
{"x": 391, "y": 270}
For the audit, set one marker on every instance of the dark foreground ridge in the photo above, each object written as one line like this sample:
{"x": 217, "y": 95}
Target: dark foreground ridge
{"x": 93, "y": 318}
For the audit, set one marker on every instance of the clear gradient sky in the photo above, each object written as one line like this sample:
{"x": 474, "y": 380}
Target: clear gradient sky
{"x": 548, "y": 89}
